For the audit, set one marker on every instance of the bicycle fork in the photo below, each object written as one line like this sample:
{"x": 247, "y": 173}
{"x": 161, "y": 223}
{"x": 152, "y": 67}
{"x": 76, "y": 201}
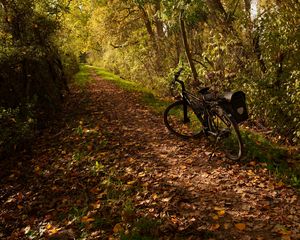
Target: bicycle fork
{"x": 219, "y": 134}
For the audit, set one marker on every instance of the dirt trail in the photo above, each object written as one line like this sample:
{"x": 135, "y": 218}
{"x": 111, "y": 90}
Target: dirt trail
{"x": 165, "y": 177}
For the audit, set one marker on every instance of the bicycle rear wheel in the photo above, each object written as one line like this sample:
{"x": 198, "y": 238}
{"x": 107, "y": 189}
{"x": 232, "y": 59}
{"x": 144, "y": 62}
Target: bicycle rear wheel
{"x": 228, "y": 134}
{"x": 175, "y": 121}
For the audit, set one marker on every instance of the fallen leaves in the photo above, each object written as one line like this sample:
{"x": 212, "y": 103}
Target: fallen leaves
{"x": 221, "y": 213}
{"x": 118, "y": 228}
{"x": 281, "y": 230}
{"x": 52, "y": 229}
{"x": 87, "y": 219}
{"x": 96, "y": 205}
{"x": 131, "y": 182}
{"x": 227, "y": 226}
{"x": 102, "y": 181}
{"x": 215, "y": 227}
{"x": 240, "y": 226}
{"x": 154, "y": 196}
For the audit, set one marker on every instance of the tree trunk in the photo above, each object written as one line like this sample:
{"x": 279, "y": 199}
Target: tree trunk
{"x": 188, "y": 52}
{"x": 147, "y": 24}
{"x": 247, "y": 6}
{"x": 158, "y": 22}
{"x": 258, "y": 53}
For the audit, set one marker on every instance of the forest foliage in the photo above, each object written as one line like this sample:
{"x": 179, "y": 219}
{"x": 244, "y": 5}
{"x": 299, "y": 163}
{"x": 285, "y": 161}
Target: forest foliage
{"x": 234, "y": 44}
{"x": 246, "y": 45}
{"x": 34, "y": 68}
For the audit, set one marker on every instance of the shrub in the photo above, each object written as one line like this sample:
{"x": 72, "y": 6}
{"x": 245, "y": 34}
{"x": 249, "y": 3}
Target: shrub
{"x": 17, "y": 129}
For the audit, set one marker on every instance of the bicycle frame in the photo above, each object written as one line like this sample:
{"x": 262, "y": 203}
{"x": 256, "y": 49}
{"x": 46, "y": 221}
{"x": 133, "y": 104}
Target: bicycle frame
{"x": 185, "y": 95}
{"x": 207, "y": 110}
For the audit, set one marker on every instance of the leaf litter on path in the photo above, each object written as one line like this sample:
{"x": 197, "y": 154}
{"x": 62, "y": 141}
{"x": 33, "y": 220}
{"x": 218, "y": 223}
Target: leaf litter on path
{"x": 113, "y": 170}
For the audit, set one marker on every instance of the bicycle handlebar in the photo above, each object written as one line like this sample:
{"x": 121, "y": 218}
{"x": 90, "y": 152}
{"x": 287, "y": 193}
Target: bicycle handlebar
{"x": 177, "y": 74}
{"x": 207, "y": 96}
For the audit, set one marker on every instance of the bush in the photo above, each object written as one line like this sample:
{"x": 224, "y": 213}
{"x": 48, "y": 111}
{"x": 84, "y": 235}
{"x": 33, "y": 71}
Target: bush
{"x": 17, "y": 129}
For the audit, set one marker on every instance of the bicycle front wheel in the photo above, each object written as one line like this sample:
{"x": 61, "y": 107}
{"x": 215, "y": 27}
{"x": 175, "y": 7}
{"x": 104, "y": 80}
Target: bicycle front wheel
{"x": 228, "y": 134}
{"x": 181, "y": 125}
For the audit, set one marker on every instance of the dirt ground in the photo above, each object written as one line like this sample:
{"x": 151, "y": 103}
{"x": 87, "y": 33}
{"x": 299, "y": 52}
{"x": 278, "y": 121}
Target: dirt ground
{"x": 108, "y": 167}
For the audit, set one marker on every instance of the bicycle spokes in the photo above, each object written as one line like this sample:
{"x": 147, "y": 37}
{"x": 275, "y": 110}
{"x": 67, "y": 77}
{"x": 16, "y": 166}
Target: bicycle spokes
{"x": 181, "y": 120}
{"x": 227, "y": 136}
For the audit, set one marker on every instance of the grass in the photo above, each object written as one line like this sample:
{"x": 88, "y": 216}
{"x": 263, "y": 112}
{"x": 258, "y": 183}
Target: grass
{"x": 158, "y": 105}
{"x": 83, "y": 77}
{"x": 143, "y": 229}
{"x": 283, "y": 164}
{"x": 258, "y": 148}
{"x": 125, "y": 84}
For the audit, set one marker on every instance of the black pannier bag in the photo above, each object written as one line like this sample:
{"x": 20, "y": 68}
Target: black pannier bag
{"x": 236, "y": 105}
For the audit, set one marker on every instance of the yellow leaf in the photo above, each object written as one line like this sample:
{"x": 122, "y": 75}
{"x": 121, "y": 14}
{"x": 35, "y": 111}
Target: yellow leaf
{"x": 280, "y": 184}
{"x": 219, "y": 208}
{"x": 215, "y": 217}
{"x": 221, "y": 213}
{"x": 131, "y": 182}
{"x": 141, "y": 174}
{"x": 37, "y": 169}
{"x": 87, "y": 219}
{"x": 154, "y": 196}
{"x": 96, "y": 205}
{"x": 118, "y": 228}
{"x": 49, "y": 226}
{"x": 53, "y": 231}
{"x": 240, "y": 226}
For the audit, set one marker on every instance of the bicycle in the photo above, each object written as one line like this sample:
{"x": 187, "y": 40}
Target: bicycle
{"x": 208, "y": 114}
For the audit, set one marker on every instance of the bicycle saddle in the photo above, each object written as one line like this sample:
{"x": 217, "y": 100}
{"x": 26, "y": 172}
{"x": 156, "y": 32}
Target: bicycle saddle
{"x": 204, "y": 90}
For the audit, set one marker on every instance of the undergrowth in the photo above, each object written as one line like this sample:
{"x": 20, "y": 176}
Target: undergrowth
{"x": 17, "y": 129}
{"x": 282, "y": 161}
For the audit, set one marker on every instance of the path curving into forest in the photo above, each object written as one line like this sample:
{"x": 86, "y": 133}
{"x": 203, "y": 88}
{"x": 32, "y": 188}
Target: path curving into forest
{"x": 109, "y": 166}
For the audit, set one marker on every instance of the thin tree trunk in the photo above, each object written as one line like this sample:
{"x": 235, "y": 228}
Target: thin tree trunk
{"x": 187, "y": 51}
{"x": 247, "y": 6}
{"x": 148, "y": 24}
{"x": 158, "y": 22}
{"x": 258, "y": 53}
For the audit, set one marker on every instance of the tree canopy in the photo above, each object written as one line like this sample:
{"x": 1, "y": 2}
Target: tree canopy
{"x": 248, "y": 45}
